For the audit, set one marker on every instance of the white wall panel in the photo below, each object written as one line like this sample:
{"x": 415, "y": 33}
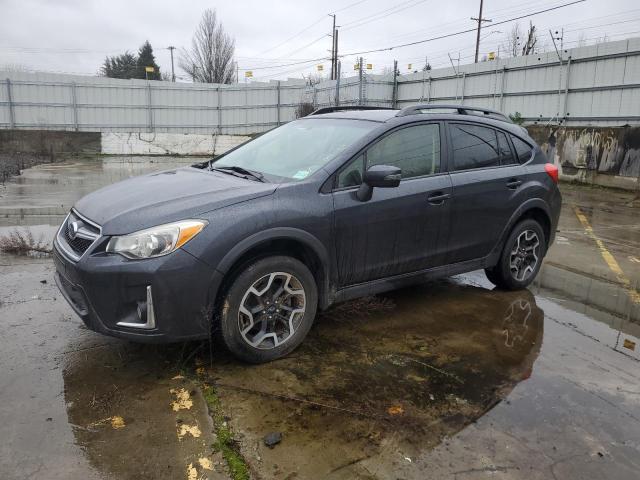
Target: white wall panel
{"x": 533, "y": 85}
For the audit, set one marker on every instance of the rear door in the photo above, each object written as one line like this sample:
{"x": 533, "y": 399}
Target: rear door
{"x": 485, "y": 177}
{"x": 402, "y": 229}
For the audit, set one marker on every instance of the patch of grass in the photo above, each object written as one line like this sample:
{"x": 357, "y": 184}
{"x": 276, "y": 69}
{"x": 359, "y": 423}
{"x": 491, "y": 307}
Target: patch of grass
{"x": 23, "y": 243}
{"x": 225, "y": 442}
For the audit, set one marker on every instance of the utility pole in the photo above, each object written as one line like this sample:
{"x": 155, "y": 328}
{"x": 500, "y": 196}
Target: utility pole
{"x": 333, "y": 46}
{"x": 479, "y": 20}
{"x": 171, "y": 48}
{"x": 360, "y": 80}
{"x": 335, "y": 54}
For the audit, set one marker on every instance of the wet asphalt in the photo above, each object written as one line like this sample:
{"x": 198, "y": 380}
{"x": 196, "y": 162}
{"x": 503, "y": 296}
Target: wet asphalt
{"x": 450, "y": 379}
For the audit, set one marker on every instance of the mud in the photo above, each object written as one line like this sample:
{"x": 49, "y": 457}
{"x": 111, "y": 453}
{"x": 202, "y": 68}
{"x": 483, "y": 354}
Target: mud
{"x": 450, "y": 379}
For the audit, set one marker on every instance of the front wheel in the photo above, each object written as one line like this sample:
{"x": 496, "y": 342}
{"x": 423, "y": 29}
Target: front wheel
{"x": 268, "y": 309}
{"x": 521, "y": 257}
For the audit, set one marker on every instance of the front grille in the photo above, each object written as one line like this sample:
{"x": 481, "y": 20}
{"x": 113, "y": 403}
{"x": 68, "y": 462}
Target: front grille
{"x": 79, "y": 245}
{"x": 77, "y": 234}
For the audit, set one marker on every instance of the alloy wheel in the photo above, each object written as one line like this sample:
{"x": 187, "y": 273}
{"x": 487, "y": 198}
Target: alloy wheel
{"x": 271, "y": 310}
{"x": 524, "y": 256}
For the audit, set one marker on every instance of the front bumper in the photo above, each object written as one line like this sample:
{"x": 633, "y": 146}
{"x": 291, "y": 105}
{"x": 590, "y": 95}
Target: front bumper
{"x": 110, "y": 293}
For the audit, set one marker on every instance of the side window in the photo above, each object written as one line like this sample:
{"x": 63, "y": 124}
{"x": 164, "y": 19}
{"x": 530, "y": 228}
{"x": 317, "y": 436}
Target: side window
{"x": 523, "y": 149}
{"x": 416, "y": 150}
{"x": 474, "y": 146}
{"x": 506, "y": 155}
{"x": 352, "y": 174}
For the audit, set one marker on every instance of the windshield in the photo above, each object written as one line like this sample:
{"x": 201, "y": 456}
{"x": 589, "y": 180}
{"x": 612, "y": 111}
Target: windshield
{"x": 297, "y": 149}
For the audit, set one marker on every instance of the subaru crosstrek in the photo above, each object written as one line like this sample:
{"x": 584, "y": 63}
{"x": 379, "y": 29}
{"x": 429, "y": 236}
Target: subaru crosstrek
{"x": 343, "y": 203}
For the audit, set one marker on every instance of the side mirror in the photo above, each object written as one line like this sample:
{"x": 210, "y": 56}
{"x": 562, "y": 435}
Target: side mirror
{"x": 380, "y": 176}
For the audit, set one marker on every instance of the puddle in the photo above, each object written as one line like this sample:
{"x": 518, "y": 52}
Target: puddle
{"x": 384, "y": 381}
{"x": 120, "y": 404}
{"x": 45, "y": 193}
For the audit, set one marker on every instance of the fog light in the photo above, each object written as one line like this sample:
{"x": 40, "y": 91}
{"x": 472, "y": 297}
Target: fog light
{"x": 145, "y": 314}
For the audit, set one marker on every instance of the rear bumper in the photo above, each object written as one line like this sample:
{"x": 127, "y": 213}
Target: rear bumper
{"x": 107, "y": 291}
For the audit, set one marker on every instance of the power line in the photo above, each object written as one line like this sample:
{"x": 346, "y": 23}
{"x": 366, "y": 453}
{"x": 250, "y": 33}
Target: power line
{"x": 460, "y": 32}
{"x": 443, "y": 27}
{"x": 382, "y": 14}
{"x": 349, "y": 6}
{"x": 287, "y": 64}
{"x": 294, "y": 36}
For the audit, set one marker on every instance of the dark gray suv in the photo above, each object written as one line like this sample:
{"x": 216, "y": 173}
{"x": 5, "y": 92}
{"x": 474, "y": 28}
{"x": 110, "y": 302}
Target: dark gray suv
{"x": 343, "y": 203}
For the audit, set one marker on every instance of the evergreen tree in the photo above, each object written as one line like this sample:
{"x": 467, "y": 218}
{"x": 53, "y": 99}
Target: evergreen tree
{"x": 121, "y": 66}
{"x": 147, "y": 59}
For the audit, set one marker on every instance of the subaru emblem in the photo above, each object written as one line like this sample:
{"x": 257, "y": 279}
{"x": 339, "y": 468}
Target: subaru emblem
{"x": 73, "y": 230}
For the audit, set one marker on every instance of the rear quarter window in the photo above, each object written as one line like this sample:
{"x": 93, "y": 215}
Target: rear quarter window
{"x": 524, "y": 151}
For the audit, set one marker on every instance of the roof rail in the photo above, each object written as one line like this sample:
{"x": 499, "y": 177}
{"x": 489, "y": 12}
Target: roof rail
{"x": 343, "y": 108}
{"x": 459, "y": 109}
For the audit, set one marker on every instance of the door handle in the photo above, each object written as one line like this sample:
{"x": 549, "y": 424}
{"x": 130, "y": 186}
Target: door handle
{"x": 514, "y": 183}
{"x": 437, "y": 198}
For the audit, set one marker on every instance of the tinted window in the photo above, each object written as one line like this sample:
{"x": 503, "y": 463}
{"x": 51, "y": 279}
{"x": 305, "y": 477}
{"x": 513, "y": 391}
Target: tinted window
{"x": 506, "y": 155}
{"x": 415, "y": 150}
{"x": 352, "y": 174}
{"x": 474, "y": 147}
{"x": 523, "y": 149}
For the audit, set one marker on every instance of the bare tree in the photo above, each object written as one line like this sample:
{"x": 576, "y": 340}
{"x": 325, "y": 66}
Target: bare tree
{"x": 511, "y": 45}
{"x": 210, "y": 58}
{"x": 529, "y": 47}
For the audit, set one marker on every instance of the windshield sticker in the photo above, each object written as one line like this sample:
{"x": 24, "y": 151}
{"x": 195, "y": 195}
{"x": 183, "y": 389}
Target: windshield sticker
{"x": 300, "y": 174}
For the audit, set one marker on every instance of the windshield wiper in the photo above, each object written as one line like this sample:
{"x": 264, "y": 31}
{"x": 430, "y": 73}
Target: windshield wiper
{"x": 243, "y": 171}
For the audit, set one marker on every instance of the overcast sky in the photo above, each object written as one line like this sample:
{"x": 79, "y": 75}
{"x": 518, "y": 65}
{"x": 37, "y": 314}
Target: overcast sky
{"x": 75, "y": 35}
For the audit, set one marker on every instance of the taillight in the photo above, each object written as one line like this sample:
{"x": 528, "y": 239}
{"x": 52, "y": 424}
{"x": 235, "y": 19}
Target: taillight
{"x": 552, "y": 171}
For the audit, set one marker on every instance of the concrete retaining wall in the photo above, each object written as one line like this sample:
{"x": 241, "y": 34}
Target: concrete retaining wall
{"x": 605, "y": 156}
{"x": 168, "y": 143}
{"x": 46, "y": 142}
{"x": 55, "y": 144}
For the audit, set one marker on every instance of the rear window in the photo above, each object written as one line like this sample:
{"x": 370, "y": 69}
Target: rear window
{"x": 523, "y": 149}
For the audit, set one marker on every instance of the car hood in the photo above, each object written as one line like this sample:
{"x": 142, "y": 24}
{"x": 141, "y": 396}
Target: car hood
{"x": 168, "y": 196}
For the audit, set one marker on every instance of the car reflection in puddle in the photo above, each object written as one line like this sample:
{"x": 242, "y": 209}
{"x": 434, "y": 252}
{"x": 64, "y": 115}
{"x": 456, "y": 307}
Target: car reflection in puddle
{"x": 385, "y": 378}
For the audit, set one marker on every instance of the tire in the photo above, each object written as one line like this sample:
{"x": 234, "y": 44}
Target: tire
{"x": 518, "y": 267}
{"x": 491, "y": 275}
{"x": 257, "y": 328}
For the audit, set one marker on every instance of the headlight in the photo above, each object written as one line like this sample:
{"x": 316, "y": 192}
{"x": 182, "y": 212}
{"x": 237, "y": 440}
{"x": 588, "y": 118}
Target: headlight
{"x": 156, "y": 241}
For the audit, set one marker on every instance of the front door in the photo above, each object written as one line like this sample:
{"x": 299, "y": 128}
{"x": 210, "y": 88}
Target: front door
{"x": 399, "y": 230}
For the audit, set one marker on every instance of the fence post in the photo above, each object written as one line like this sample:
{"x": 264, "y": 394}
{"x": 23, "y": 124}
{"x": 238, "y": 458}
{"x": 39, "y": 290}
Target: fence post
{"x": 504, "y": 72}
{"x": 429, "y": 91}
{"x": 360, "y": 82}
{"x": 338, "y": 85}
{"x": 464, "y": 81}
{"x": 12, "y": 118}
{"x": 566, "y": 89}
{"x": 278, "y": 103}
{"x": 314, "y": 97}
{"x": 394, "y": 93}
{"x": 74, "y": 99}
{"x": 150, "y": 112}
{"x": 219, "y": 107}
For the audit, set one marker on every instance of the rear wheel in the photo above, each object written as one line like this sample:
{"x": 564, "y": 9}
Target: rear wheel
{"x": 521, "y": 257}
{"x": 268, "y": 309}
